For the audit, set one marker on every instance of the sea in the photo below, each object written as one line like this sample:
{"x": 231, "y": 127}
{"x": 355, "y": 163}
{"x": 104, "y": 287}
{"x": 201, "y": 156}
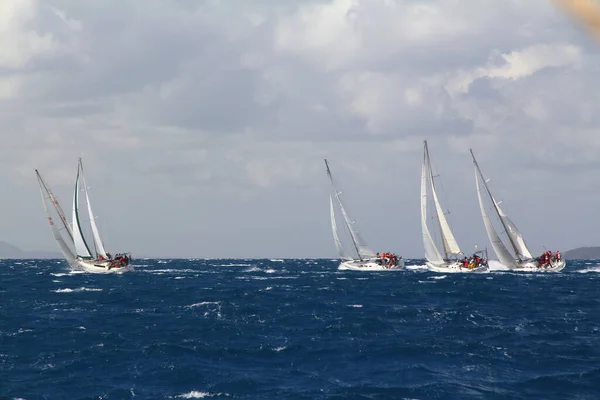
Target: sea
{"x": 296, "y": 329}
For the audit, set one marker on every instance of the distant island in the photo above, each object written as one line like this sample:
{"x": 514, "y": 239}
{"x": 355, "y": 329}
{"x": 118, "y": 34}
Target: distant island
{"x": 583, "y": 253}
{"x": 8, "y": 250}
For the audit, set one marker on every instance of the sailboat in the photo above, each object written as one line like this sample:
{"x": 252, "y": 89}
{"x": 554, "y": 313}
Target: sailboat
{"x": 366, "y": 259}
{"x": 520, "y": 259}
{"x": 450, "y": 257}
{"x": 70, "y": 238}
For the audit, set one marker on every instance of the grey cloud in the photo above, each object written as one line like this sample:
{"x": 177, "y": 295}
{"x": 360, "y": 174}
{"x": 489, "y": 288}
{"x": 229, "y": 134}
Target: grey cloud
{"x": 214, "y": 123}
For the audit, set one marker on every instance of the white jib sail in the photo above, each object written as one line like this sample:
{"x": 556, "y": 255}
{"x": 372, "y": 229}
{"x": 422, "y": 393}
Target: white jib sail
{"x": 360, "y": 244}
{"x": 448, "y": 240}
{"x": 515, "y": 236}
{"x": 47, "y": 197}
{"x": 499, "y": 248}
{"x": 81, "y": 246}
{"x": 97, "y": 240}
{"x": 338, "y": 243}
{"x": 431, "y": 252}
{"x": 96, "y": 234}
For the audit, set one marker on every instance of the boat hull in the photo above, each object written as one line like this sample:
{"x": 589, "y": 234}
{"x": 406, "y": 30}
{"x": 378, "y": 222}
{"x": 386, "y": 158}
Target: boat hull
{"x": 369, "y": 265}
{"x": 533, "y": 266}
{"x": 99, "y": 267}
{"x": 455, "y": 267}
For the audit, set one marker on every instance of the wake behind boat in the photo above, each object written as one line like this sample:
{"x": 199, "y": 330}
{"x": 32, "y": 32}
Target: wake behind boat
{"x": 451, "y": 258}
{"x": 70, "y": 238}
{"x": 521, "y": 258}
{"x": 367, "y": 259}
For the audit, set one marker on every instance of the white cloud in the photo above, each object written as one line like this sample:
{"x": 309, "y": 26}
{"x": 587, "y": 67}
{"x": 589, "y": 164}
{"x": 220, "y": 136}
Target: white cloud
{"x": 519, "y": 64}
{"x": 213, "y": 115}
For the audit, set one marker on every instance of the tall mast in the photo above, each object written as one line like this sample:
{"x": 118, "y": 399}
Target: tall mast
{"x": 81, "y": 245}
{"x": 56, "y": 204}
{"x": 429, "y": 169}
{"x": 98, "y": 245}
{"x": 337, "y": 196}
{"x": 514, "y": 246}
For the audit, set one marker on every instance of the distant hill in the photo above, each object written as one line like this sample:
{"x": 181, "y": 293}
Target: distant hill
{"x": 583, "y": 253}
{"x": 8, "y": 250}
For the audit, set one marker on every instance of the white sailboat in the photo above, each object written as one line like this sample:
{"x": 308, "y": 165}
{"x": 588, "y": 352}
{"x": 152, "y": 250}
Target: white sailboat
{"x": 366, "y": 259}
{"x": 449, "y": 258}
{"x": 70, "y": 238}
{"x": 520, "y": 259}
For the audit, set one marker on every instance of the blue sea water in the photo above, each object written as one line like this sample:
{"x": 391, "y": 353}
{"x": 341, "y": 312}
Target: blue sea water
{"x": 296, "y": 329}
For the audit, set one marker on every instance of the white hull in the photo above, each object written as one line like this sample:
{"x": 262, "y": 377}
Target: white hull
{"x": 99, "y": 267}
{"x": 532, "y": 266}
{"x": 455, "y": 267}
{"x": 369, "y": 265}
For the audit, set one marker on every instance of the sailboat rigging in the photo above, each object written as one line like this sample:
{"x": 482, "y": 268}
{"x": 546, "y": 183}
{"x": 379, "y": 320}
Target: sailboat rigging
{"x": 520, "y": 258}
{"x": 366, "y": 258}
{"x": 450, "y": 257}
{"x": 73, "y": 243}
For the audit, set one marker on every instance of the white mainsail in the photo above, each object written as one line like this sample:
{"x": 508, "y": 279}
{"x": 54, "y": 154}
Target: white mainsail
{"x": 338, "y": 243}
{"x": 431, "y": 252}
{"x": 448, "y": 241}
{"x": 514, "y": 236}
{"x": 48, "y": 197}
{"x": 361, "y": 247}
{"x": 81, "y": 247}
{"x": 98, "y": 245}
{"x": 499, "y": 248}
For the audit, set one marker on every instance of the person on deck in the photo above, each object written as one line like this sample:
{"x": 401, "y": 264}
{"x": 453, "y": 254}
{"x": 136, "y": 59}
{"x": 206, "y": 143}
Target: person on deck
{"x": 545, "y": 258}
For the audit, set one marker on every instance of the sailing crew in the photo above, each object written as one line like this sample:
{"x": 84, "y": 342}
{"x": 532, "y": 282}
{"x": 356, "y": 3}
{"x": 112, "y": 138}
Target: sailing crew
{"x": 544, "y": 259}
{"x": 393, "y": 260}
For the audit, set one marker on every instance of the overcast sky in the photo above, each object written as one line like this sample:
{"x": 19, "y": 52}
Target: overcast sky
{"x": 203, "y": 124}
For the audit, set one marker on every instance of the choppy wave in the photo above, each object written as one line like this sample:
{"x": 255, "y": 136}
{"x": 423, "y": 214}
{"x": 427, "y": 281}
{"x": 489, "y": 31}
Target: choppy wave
{"x": 200, "y": 395}
{"x": 250, "y": 329}
{"x": 81, "y": 289}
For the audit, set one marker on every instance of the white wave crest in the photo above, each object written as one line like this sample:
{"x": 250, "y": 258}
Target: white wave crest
{"x": 81, "y": 289}
{"x": 194, "y": 394}
{"x": 203, "y": 303}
